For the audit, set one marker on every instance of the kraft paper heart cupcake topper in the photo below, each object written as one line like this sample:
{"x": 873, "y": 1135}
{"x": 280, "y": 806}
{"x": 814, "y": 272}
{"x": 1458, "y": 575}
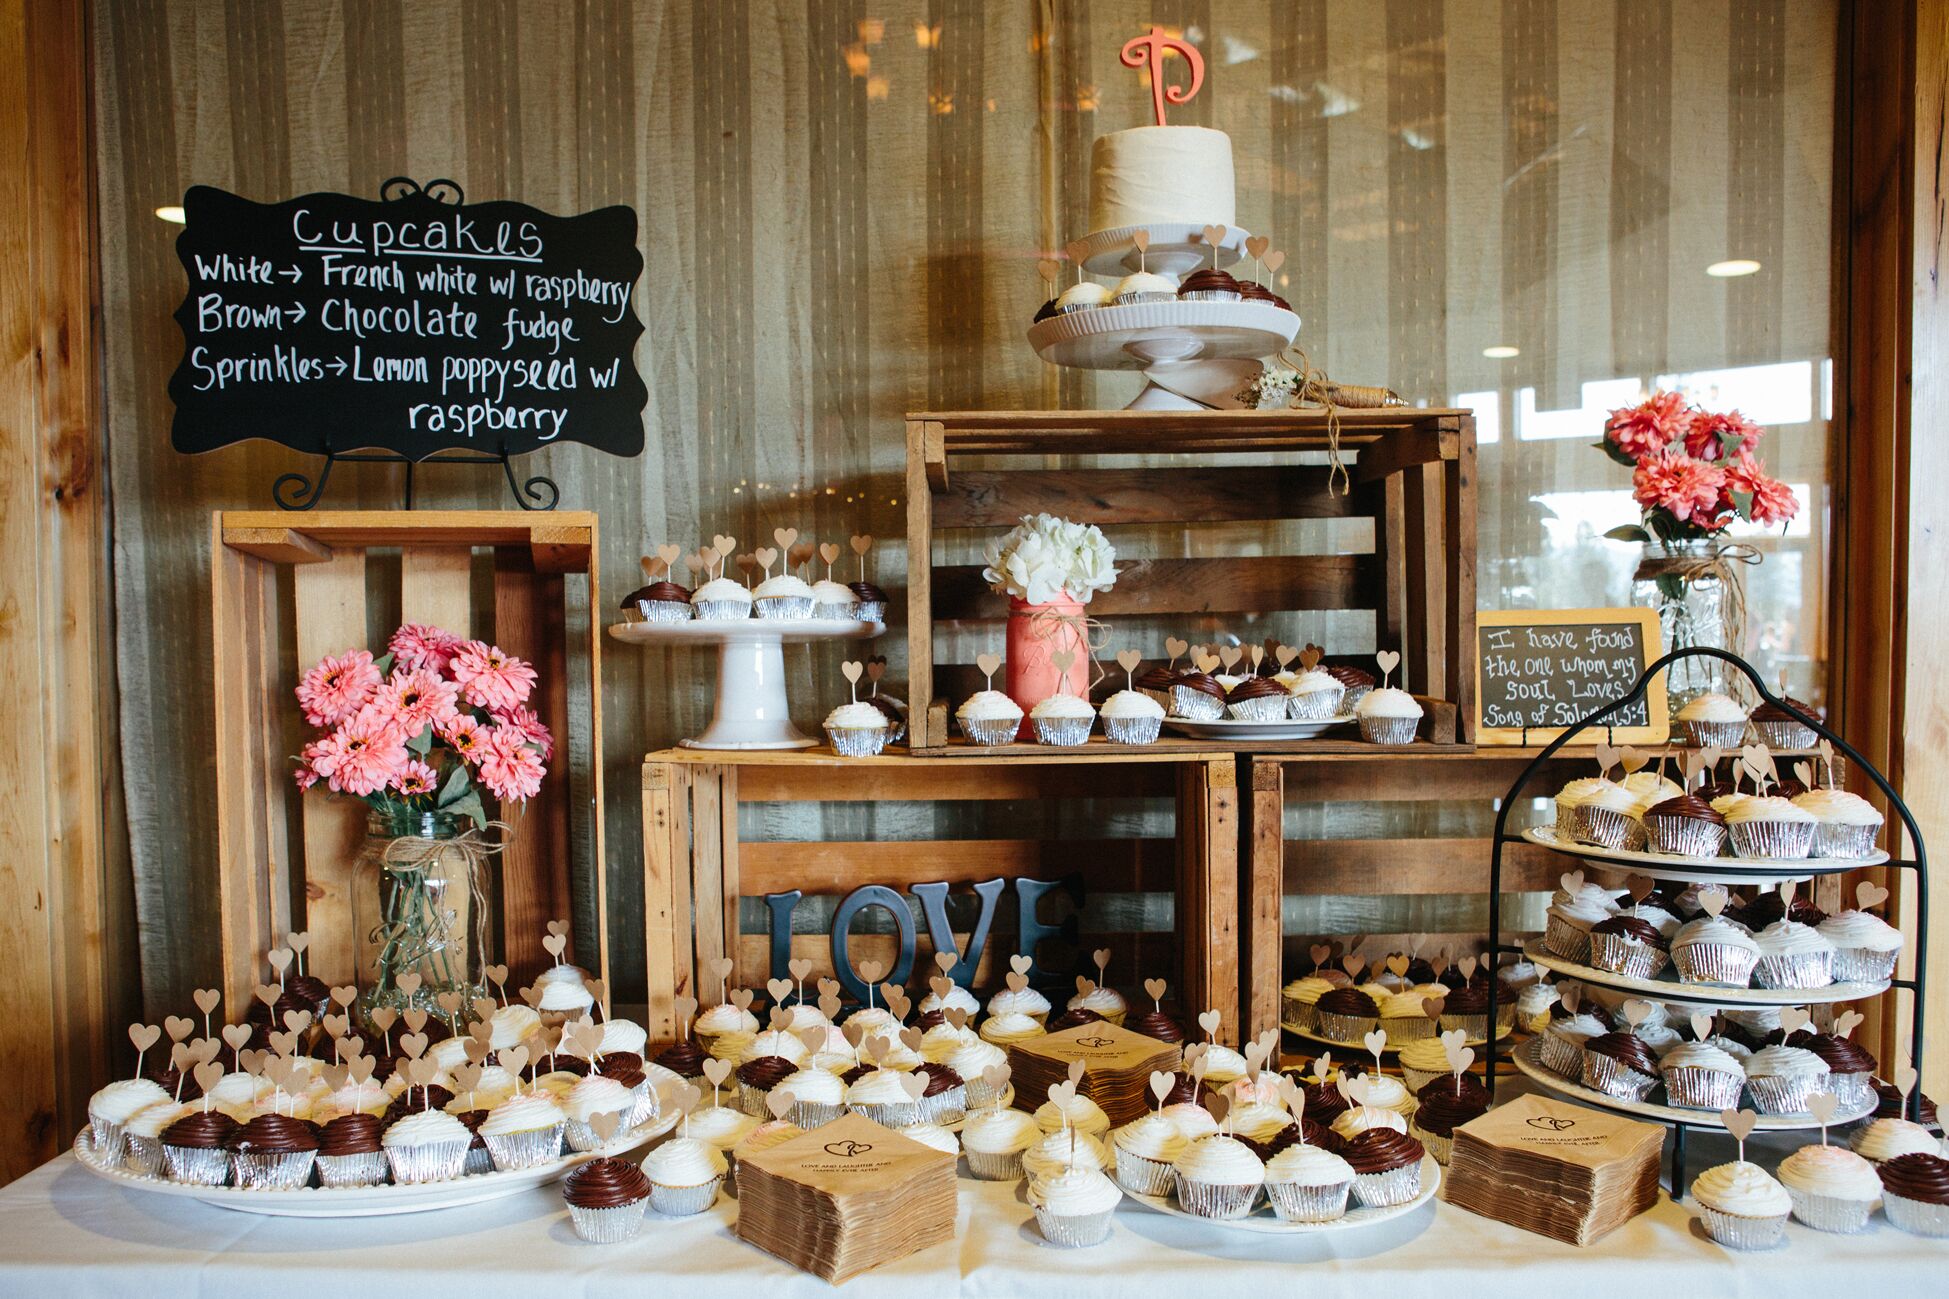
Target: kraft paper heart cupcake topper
{"x": 861, "y": 544}
{"x": 1323, "y": 1067}
{"x": 1229, "y": 655}
{"x": 720, "y": 966}
{"x": 1209, "y": 1022}
{"x": 895, "y": 997}
{"x": 1846, "y": 1022}
{"x": 1387, "y": 661}
{"x": 1794, "y": 1018}
{"x": 1155, "y": 989}
{"x": 280, "y": 959}
{"x": 1048, "y": 268}
{"x": 1161, "y": 1083}
{"x": 1214, "y": 236}
{"x": 1062, "y": 661}
{"x": 1141, "y": 241}
{"x": 1376, "y": 1043}
{"x": 1129, "y": 660}
{"x": 1701, "y": 1023}
{"x": 1822, "y": 1106}
{"x": 988, "y": 665}
{"x": 851, "y": 670}
{"x": 383, "y": 1018}
{"x": 1740, "y": 1124}
{"x": 1255, "y": 247}
{"x": 1174, "y": 648}
{"x": 1076, "y": 250}
{"x": 869, "y": 973}
{"x": 207, "y": 1000}
{"x": 1826, "y": 751}
{"x": 1868, "y": 896}
{"x": 1272, "y": 261}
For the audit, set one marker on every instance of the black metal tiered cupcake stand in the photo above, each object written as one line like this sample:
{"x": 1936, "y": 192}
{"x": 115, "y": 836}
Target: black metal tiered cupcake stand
{"x": 1701, "y": 994}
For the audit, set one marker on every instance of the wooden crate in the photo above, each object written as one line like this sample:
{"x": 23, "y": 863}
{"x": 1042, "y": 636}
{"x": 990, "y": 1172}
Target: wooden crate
{"x": 697, "y": 864}
{"x": 290, "y": 588}
{"x": 1413, "y": 473}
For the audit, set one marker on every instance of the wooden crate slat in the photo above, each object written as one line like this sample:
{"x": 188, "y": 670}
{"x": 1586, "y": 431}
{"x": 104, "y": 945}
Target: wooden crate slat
{"x": 1384, "y": 500}
{"x": 245, "y": 843}
{"x": 1233, "y": 584}
{"x": 1413, "y": 866}
{"x": 1458, "y": 511}
{"x": 666, "y": 944}
{"x": 921, "y": 728}
{"x": 834, "y": 867}
{"x": 1264, "y": 902}
{"x": 1425, "y": 660}
{"x": 731, "y": 855}
{"x": 529, "y": 623}
{"x": 997, "y": 498}
{"x": 1414, "y": 778}
{"x": 564, "y": 538}
{"x": 270, "y": 781}
{"x": 330, "y": 603}
{"x": 768, "y": 783}
{"x": 707, "y": 867}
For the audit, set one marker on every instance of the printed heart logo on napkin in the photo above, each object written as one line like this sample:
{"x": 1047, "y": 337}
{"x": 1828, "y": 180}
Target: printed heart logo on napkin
{"x": 1550, "y": 1123}
{"x": 848, "y": 1149}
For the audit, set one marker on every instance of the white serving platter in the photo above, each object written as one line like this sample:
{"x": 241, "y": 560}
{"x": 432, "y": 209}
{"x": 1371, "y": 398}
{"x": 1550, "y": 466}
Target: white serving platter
{"x": 1700, "y": 994}
{"x": 1701, "y": 870}
{"x": 1264, "y": 1221}
{"x": 1142, "y": 335}
{"x": 1238, "y": 728}
{"x": 1525, "y": 1057}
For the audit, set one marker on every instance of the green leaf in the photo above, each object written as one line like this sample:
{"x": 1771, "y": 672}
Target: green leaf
{"x": 1629, "y": 532}
{"x": 1610, "y": 449}
{"x": 456, "y": 785}
{"x": 422, "y": 742}
{"x": 1743, "y": 502}
{"x": 469, "y": 805}
{"x": 384, "y": 663}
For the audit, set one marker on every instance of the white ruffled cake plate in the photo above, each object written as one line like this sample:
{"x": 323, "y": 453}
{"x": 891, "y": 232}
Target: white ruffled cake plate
{"x": 368, "y": 1201}
{"x": 1145, "y": 334}
{"x": 1265, "y": 1222}
{"x": 1701, "y": 870}
{"x": 1239, "y": 728}
{"x": 1528, "y": 1064}
{"x": 1670, "y": 989}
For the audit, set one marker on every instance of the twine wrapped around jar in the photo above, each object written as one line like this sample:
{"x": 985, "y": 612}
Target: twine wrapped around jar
{"x": 415, "y": 923}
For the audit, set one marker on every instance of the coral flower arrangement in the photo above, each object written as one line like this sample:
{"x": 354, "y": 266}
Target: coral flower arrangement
{"x": 1692, "y": 472}
{"x": 424, "y": 727}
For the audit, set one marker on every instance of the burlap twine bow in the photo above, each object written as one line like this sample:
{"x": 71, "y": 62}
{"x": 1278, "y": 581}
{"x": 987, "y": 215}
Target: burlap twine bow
{"x": 1716, "y": 565}
{"x": 1315, "y": 389}
{"x": 1075, "y": 629}
{"x": 413, "y": 852}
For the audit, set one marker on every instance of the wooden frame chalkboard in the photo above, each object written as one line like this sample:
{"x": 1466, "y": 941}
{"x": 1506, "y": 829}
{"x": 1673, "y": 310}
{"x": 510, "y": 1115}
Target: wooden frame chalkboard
{"x": 1553, "y": 665}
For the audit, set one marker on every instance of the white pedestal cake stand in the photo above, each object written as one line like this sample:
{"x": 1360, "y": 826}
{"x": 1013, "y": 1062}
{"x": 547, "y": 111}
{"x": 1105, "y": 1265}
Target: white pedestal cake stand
{"x": 1173, "y": 337}
{"x": 751, "y": 709}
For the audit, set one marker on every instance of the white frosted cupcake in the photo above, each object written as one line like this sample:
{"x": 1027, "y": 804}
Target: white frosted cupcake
{"x": 1700, "y": 1076}
{"x": 1144, "y": 286}
{"x": 523, "y": 1131}
{"x": 1781, "y": 1078}
{"x": 142, "y": 1136}
{"x": 1865, "y": 946}
{"x": 833, "y": 600}
{"x": 1063, "y": 720}
{"x": 1533, "y": 1007}
{"x": 1084, "y": 295}
{"x": 1308, "y": 1184}
{"x": 1611, "y": 819}
{"x": 1222, "y": 1065}
{"x": 1192, "y": 1120}
{"x": 1562, "y": 1049}
{"x": 562, "y": 1001}
{"x": 818, "y": 1096}
{"x": 515, "y": 1023}
{"x": 971, "y": 1060}
{"x": 1885, "y": 1139}
{"x": 1065, "y": 1149}
{"x": 684, "y": 1174}
{"x": 882, "y": 1096}
{"x": 110, "y": 1109}
{"x": 943, "y": 1040}
{"x": 1742, "y": 1206}
{"x": 1028, "y": 1001}
{"x": 725, "y": 1018}
{"x": 1218, "y": 1177}
{"x": 1567, "y": 925}
{"x": 1006, "y": 1030}
{"x": 1570, "y": 802}
{"x": 934, "y": 1137}
{"x": 857, "y": 730}
{"x": 721, "y": 600}
{"x": 784, "y": 597}
{"x": 1423, "y": 1060}
{"x": 1388, "y": 716}
{"x": 1364, "y": 1118}
{"x": 957, "y": 998}
{"x": 1300, "y": 998}
{"x": 989, "y": 717}
{"x": 1315, "y": 696}
{"x": 430, "y": 1146}
{"x": 1793, "y": 955}
{"x": 994, "y": 1141}
{"x": 1713, "y": 950}
{"x": 1146, "y": 1149}
{"x": 1713, "y": 721}
{"x": 1084, "y": 1114}
{"x": 1102, "y": 1000}
{"x": 1831, "y": 1187}
{"x": 1845, "y": 825}
{"x": 1770, "y": 829}
{"x": 1074, "y": 1207}
{"x": 595, "y": 1095}
{"x": 1132, "y": 717}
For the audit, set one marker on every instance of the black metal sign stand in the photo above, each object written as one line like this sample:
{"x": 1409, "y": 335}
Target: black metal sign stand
{"x": 295, "y": 491}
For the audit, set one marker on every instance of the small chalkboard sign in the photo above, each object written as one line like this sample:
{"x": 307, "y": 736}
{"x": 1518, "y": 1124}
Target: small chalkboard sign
{"x": 1539, "y": 671}
{"x": 413, "y": 324}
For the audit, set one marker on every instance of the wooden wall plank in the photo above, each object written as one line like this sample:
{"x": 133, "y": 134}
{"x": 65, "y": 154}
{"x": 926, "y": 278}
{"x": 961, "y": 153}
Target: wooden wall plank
{"x": 1106, "y": 865}
{"x": 1264, "y": 871}
{"x": 243, "y": 908}
{"x": 329, "y": 600}
{"x": 1402, "y": 867}
{"x": 666, "y": 955}
{"x": 920, "y": 571}
{"x": 997, "y": 498}
{"x": 1458, "y": 595}
{"x": 707, "y": 866}
{"x": 1238, "y": 584}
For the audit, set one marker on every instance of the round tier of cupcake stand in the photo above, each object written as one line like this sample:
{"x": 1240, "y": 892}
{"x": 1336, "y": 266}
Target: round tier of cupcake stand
{"x": 1263, "y": 1220}
{"x": 1247, "y": 729}
{"x": 369, "y": 1201}
{"x": 1722, "y": 870}
{"x": 1320, "y": 1039}
{"x": 750, "y": 709}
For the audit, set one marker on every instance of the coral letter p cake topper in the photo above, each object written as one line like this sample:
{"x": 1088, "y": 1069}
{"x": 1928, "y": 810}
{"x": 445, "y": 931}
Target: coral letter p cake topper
{"x": 1151, "y": 49}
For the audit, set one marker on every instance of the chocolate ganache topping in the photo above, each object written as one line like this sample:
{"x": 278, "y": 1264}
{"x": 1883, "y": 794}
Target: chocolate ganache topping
{"x": 866, "y": 592}
{"x": 1156, "y": 678}
{"x": 1155, "y": 1023}
{"x": 201, "y": 1130}
{"x": 1843, "y": 1055}
{"x": 1353, "y": 679}
{"x": 685, "y": 1059}
{"x": 1076, "y": 1018}
{"x": 275, "y": 1134}
{"x": 1347, "y": 1001}
{"x": 1469, "y": 1087}
{"x": 1888, "y": 1105}
{"x": 1381, "y": 1150}
{"x": 1690, "y": 807}
{"x": 605, "y": 1184}
{"x": 1627, "y": 1049}
{"x": 1208, "y": 280}
{"x": 415, "y": 1099}
{"x": 928, "y": 1019}
{"x": 1324, "y": 1102}
{"x": 940, "y": 1078}
{"x": 1184, "y": 1090}
{"x": 614, "y": 1064}
{"x": 766, "y": 1072}
{"x": 1202, "y": 682}
{"x": 1917, "y": 1177}
{"x": 1255, "y": 688}
{"x": 1470, "y": 999}
{"x": 1443, "y": 1109}
{"x": 1772, "y": 712}
{"x": 1640, "y": 931}
{"x": 350, "y": 1134}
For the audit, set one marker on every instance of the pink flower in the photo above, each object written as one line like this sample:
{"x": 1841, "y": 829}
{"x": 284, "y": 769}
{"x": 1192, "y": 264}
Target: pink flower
{"x": 364, "y": 755}
{"x": 418, "y": 698}
{"x": 1773, "y": 501}
{"x": 509, "y": 768}
{"x": 338, "y": 687}
{"x": 306, "y": 778}
{"x": 416, "y": 778}
{"x": 416, "y": 646}
{"x": 1685, "y": 488}
{"x": 465, "y": 736}
{"x": 533, "y": 730}
{"x": 1648, "y": 428}
{"x": 1704, "y": 436}
{"x": 491, "y": 678}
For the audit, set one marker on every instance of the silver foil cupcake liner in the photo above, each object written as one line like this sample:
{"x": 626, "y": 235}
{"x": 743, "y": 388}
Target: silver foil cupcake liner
{"x": 1143, "y": 1176}
{"x": 1771, "y": 840}
{"x": 892, "y": 1114}
{"x": 751, "y": 1100}
{"x": 1737, "y": 1232}
{"x": 1294, "y": 1202}
{"x": 1916, "y": 1217}
{"x": 1714, "y": 963}
{"x": 1440, "y": 1147}
{"x": 1849, "y": 842}
{"x": 1317, "y": 705}
{"x": 1216, "y": 1199}
{"x": 1619, "y": 954}
{"x": 721, "y": 610}
{"x": 431, "y": 1161}
{"x": 991, "y": 730}
{"x": 1852, "y": 1091}
{"x": 1209, "y": 295}
{"x": 1301, "y": 1014}
{"x": 1195, "y": 705}
{"x": 106, "y": 1138}
{"x": 663, "y": 611}
{"x": 583, "y": 1138}
{"x": 1684, "y": 836}
{"x": 836, "y": 612}
{"x": 1830, "y": 1212}
{"x": 1863, "y": 965}
{"x": 1561, "y": 938}
{"x": 994, "y": 1166}
{"x": 1270, "y": 708}
{"x": 1561, "y": 1056}
{"x": 1351, "y": 700}
{"x": 1411, "y": 1028}
{"x": 1416, "y": 1079}
{"x": 368, "y": 1168}
{"x": 815, "y": 1114}
{"x": 1074, "y": 1230}
{"x": 950, "y": 1106}
{"x": 645, "y": 1107}
{"x": 1477, "y": 1026}
{"x": 870, "y": 610}
{"x": 1347, "y": 1030}
{"x": 1601, "y": 1073}
{"x": 1132, "y": 730}
{"x": 1715, "y": 735}
{"x": 1570, "y": 822}
{"x": 272, "y": 1171}
{"x": 142, "y": 1155}
{"x": 479, "y": 1160}
{"x": 1690, "y": 1087}
{"x": 857, "y": 741}
{"x": 1163, "y": 697}
{"x": 1389, "y": 730}
{"x": 196, "y": 1167}
{"x": 1607, "y": 828}
{"x": 1782, "y": 1094}
{"x": 1067, "y": 732}
{"x": 980, "y": 1094}
{"x": 608, "y": 1225}
{"x": 1139, "y": 299}
{"x": 684, "y": 1201}
{"x": 1805, "y": 970}
{"x": 1535, "y": 1022}
{"x": 1395, "y": 1186}
{"x": 517, "y": 1150}
{"x": 1786, "y": 735}
{"x": 784, "y": 608}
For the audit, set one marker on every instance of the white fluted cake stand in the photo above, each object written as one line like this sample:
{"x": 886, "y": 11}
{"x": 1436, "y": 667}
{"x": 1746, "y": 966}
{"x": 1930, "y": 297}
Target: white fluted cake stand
{"x": 1171, "y": 337}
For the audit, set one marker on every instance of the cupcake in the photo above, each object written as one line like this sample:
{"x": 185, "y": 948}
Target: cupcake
{"x": 1082, "y": 1113}
{"x": 1700, "y": 1076}
{"x": 1300, "y": 999}
{"x": 196, "y": 1147}
{"x": 1197, "y": 697}
{"x": 1314, "y": 696}
{"x": 515, "y": 1023}
{"x": 882, "y": 1096}
{"x": 818, "y": 1097}
{"x": 1445, "y": 1105}
{"x": 1712, "y": 721}
{"x": 1620, "y": 1065}
{"x": 994, "y": 1141}
{"x": 1357, "y": 682}
{"x": 1850, "y": 1069}
{"x": 1063, "y": 720}
{"x": 1845, "y": 825}
{"x": 524, "y": 1131}
{"x": 1713, "y": 950}
{"x": 1027, "y": 1001}
{"x": 1308, "y": 1183}
{"x": 1865, "y": 946}
{"x": 1222, "y": 1065}
{"x": 142, "y": 1136}
{"x": 1769, "y": 829}
{"x": 857, "y": 730}
{"x": 273, "y": 1152}
{"x": 1624, "y": 944}
{"x": 1154, "y": 683}
{"x": 934, "y": 1137}
{"x": 1083, "y": 295}
{"x": 1155, "y": 1024}
{"x": 1915, "y": 1193}
{"x": 592, "y": 1096}
{"x": 970, "y": 1060}
{"x": 1570, "y": 802}
{"x": 657, "y": 602}
{"x": 1056, "y": 1151}
{"x": 1346, "y": 1015}
{"x": 563, "y": 1000}
{"x": 349, "y": 1152}
{"x": 1533, "y": 1007}
{"x": 721, "y": 600}
{"x": 1892, "y": 1104}
{"x": 722, "y": 1127}
{"x": 1404, "y": 1018}
{"x": 1218, "y": 1177}
{"x": 1569, "y": 921}
{"x": 1781, "y": 1078}
{"x": 1208, "y": 284}
{"x": 684, "y": 1059}
{"x": 1467, "y": 1008}
{"x": 1105, "y": 1001}
{"x": 1386, "y": 1166}
{"x": 430, "y": 1146}
{"x": 1831, "y": 1187}
{"x": 1074, "y": 1207}
{"x": 1132, "y": 717}
{"x": 1885, "y": 1139}
{"x": 1685, "y": 826}
{"x": 1792, "y": 955}
{"x": 1365, "y": 1118}
{"x": 606, "y": 1200}
{"x": 1784, "y": 725}
{"x": 833, "y": 601}
{"x": 946, "y": 1098}
{"x": 684, "y": 1174}
{"x": 895, "y": 712}
{"x": 1388, "y": 716}
{"x": 1145, "y": 1151}
{"x": 1258, "y": 699}
{"x": 1422, "y": 1062}
{"x": 1741, "y": 1206}
{"x": 1006, "y": 1030}
{"x": 1561, "y": 1048}
{"x": 114, "y": 1105}
{"x": 1610, "y": 819}
{"x": 869, "y": 601}
{"x": 1144, "y": 286}
{"x": 1192, "y": 1120}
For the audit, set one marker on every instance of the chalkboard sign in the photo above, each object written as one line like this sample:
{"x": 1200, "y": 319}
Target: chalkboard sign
{"x": 407, "y": 324}
{"x": 1539, "y": 671}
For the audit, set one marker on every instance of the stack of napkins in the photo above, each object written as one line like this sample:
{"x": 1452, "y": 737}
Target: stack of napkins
{"x": 846, "y": 1197}
{"x": 1117, "y": 1065}
{"x": 1559, "y": 1170}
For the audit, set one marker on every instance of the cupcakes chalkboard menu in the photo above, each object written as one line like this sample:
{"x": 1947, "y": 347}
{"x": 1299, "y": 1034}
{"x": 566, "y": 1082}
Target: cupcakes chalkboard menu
{"x": 414, "y": 324}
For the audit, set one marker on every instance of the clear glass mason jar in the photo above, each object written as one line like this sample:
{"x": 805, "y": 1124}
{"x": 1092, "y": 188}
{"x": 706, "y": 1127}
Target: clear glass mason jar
{"x": 420, "y": 906}
{"x": 1691, "y": 585}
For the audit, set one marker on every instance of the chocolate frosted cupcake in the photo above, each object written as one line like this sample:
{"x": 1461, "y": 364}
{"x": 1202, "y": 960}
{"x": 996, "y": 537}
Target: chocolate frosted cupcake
{"x": 1197, "y": 697}
{"x": 1386, "y": 1166}
{"x": 1076, "y": 1018}
{"x": 684, "y": 1059}
{"x": 1889, "y": 1105}
{"x": 1628, "y": 945}
{"x": 1325, "y": 1103}
{"x": 1685, "y": 826}
{"x": 1850, "y": 1069}
{"x": 946, "y": 1099}
{"x": 1620, "y": 1065}
{"x": 1257, "y": 699}
{"x": 606, "y": 1199}
{"x": 1467, "y": 1008}
{"x": 1208, "y": 285}
{"x": 312, "y": 990}
{"x": 273, "y": 1152}
{"x": 1253, "y": 291}
{"x": 1156, "y": 682}
{"x": 1785, "y": 727}
{"x": 1346, "y": 1015}
{"x": 1444, "y": 1106}
{"x": 658, "y": 602}
{"x": 196, "y": 1147}
{"x": 415, "y": 1100}
{"x": 872, "y": 601}
{"x": 1358, "y": 683}
{"x": 1155, "y": 1024}
{"x": 348, "y": 1152}
{"x": 1915, "y": 1193}
{"x": 757, "y": 1077}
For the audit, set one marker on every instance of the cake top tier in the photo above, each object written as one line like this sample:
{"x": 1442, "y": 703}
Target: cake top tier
{"x": 1152, "y": 175}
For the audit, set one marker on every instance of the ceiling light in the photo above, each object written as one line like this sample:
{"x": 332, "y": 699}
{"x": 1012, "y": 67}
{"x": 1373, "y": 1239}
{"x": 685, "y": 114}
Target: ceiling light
{"x": 1501, "y": 352}
{"x": 172, "y": 213}
{"x": 1732, "y": 269}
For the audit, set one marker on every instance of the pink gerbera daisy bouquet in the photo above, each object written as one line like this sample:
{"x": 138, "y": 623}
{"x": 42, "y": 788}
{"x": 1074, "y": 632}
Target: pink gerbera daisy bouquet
{"x": 425, "y": 727}
{"x": 1693, "y": 472}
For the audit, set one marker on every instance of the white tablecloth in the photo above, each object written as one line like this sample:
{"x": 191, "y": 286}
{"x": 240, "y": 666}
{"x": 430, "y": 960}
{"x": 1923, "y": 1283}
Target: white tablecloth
{"x": 64, "y": 1231}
